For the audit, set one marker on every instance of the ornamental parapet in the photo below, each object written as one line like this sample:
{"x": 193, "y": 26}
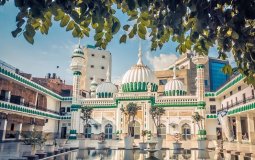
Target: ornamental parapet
{"x": 135, "y": 95}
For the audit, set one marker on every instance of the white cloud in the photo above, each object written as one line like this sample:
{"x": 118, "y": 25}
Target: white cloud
{"x": 162, "y": 61}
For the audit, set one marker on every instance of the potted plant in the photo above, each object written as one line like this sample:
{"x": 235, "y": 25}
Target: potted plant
{"x": 202, "y": 140}
{"x": 86, "y": 113}
{"x": 130, "y": 112}
{"x": 143, "y": 145}
{"x": 156, "y": 113}
{"x": 101, "y": 143}
{"x": 177, "y": 145}
{"x": 41, "y": 144}
{"x": 33, "y": 138}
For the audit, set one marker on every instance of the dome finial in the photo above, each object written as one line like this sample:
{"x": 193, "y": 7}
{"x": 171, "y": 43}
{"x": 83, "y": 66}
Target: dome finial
{"x": 174, "y": 70}
{"x": 79, "y": 43}
{"x": 108, "y": 78}
{"x": 140, "y": 62}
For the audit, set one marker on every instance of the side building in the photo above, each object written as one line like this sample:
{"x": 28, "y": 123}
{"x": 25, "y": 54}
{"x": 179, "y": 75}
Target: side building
{"x": 28, "y": 103}
{"x": 186, "y": 72}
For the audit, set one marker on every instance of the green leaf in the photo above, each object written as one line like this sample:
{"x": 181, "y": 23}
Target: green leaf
{"x": 30, "y": 30}
{"x": 115, "y": 26}
{"x": 16, "y": 32}
{"x": 142, "y": 29}
{"x": 19, "y": 3}
{"x": 123, "y": 38}
{"x": 98, "y": 36}
{"x": 234, "y": 35}
{"x": 29, "y": 38}
{"x": 64, "y": 21}
{"x": 70, "y": 26}
{"x": 126, "y": 27}
{"x": 141, "y": 35}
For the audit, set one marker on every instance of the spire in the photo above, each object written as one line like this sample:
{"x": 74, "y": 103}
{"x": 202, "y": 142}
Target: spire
{"x": 140, "y": 62}
{"x": 79, "y": 43}
{"x": 108, "y": 78}
{"x": 174, "y": 70}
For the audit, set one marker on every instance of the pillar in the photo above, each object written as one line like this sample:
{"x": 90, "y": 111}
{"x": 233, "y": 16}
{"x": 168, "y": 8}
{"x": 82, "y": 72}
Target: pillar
{"x": 238, "y": 129}
{"x": 18, "y": 129}
{"x": 3, "y": 126}
{"x": 251, "y": 130}
{"x": 8, "y": 96}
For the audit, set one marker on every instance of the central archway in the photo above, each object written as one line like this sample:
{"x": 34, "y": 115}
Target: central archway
{"x": 135, "y": 129}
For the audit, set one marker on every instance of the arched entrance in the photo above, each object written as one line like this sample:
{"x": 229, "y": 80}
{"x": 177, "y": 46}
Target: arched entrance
{"x": 186, "y": 133}
{"x": 162, "y": 131}
{"x": 135, "y": 129}
{"x": 87, "y": 131}
{"x": 108, "y": 131}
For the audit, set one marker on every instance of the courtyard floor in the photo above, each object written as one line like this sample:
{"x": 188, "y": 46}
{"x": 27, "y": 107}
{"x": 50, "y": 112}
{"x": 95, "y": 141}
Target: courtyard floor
{"x": 16, "y": 149}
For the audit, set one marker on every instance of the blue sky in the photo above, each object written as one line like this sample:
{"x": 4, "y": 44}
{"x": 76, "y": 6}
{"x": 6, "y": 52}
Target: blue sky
{"x": 55, "y": 49}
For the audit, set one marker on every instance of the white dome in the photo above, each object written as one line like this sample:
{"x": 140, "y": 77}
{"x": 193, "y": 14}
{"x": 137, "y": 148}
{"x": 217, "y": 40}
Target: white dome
{"x": 106, "y": 90}
{"x": 139, "y": 73}
{"x": 138, "y": 77}
{"x": 78, "y": 52}
{"x": 174, "y": 87}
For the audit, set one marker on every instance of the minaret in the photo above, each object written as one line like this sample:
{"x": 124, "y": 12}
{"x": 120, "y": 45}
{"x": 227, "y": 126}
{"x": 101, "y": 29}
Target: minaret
{"x": 76, "y": 66}
{"x": 200, "y": 62}
{"x": 93, "y": 87}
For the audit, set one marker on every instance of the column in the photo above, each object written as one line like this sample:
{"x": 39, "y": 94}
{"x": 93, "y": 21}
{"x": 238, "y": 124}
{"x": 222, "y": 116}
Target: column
{"x": 251, "y": 131}
{"x": 18, "y": 129}
{"x": 36, "y": 98}
{"x": 238, "y": 129}
{"x": 8, "y": 96}
{"x": 3, "y": 126}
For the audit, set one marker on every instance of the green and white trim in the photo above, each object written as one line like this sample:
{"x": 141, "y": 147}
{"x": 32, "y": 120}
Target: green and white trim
{"x": 138, "y": 87}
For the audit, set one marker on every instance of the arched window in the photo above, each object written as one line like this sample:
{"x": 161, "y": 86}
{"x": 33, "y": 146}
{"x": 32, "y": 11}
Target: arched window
{"x": 108, "y": 131}
{"x": 186, "y": 134}
{"x": 87, "y": 132}
{"x": 162, "y": 131}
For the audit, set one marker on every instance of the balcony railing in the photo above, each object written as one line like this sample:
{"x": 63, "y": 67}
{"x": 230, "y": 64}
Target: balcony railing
{"x": 29, "y": 105}
{"x": 244, "y": 101}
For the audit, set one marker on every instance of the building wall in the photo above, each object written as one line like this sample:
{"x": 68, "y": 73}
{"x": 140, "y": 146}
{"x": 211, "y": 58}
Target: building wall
{"x": 53, "y": 104}
{"x": 167, "y": 75}
{"x": 94, "y": 56}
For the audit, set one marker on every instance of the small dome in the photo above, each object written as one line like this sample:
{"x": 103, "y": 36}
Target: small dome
{"x": 174, "y": 87}
{"x": 78, "y": 52}
{"x": 107, "y": 88}
{"x": 137, "y": 78}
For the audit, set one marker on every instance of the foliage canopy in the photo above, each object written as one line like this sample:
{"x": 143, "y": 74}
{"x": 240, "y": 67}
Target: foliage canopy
{"x": 194, "y": 24}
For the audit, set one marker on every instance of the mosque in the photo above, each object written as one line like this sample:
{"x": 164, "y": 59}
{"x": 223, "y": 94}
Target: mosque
{"x": 139, "y": 85}
{"x": 26, "y": 104}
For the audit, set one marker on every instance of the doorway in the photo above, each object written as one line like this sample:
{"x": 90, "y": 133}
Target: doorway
{"x": 63, "y": 132}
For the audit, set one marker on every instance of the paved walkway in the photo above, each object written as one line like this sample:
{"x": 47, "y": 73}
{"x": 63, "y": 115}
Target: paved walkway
{"x": 15, "y": 149}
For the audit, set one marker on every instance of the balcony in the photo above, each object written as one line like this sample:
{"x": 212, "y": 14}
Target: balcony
{"x": 238, "y": 103}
